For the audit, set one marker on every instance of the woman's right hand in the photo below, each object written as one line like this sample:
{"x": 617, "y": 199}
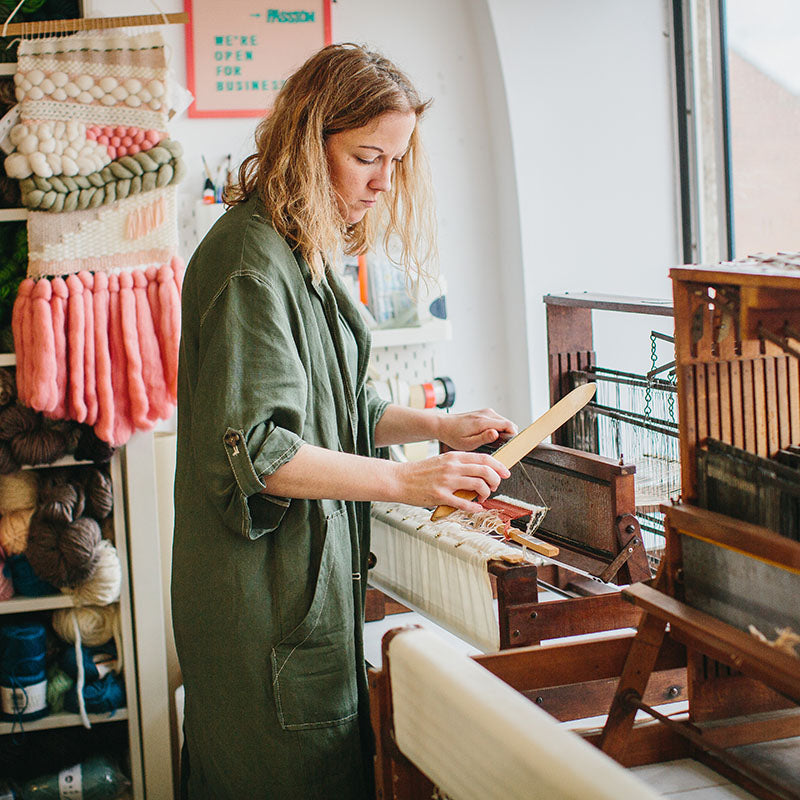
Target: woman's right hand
{"x": 434, "y": 481}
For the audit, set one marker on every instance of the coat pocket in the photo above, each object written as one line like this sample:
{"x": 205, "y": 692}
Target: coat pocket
{"x": 313, "y": 668}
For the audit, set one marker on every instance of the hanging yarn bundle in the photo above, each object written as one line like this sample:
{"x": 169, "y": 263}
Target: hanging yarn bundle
{"x": 97, "y": 321}
{"x": 23, "y": 680}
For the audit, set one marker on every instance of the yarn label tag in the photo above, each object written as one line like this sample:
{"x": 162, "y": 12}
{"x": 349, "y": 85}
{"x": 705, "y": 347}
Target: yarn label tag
{"x": 70, "y": 783}
{"x": 24, "y": 699}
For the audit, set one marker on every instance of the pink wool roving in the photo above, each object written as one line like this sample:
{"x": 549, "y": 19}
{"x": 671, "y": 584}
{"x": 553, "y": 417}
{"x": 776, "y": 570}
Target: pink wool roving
{"x": 96, "y": 323}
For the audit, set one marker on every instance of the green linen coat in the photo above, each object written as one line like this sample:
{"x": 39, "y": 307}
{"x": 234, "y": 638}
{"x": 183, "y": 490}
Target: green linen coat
{"x": 267, "y": 592}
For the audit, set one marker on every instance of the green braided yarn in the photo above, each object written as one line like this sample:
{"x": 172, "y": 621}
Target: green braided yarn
{"x": 13, "y": 266}
{"x": 146, "y": 170}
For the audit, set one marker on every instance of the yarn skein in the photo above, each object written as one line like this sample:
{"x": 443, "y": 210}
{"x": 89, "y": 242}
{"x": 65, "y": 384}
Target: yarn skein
{"x": 14, "y": 528}
{"x": 8, "y": 387}
{"x": 99, "y": 494}
{"x": 64, "y": 555}
{"x": 6, "y": 581}
{"x": 96, "y": 624}
{"x": 105, "y": 584}
{"x": 26, "y": 581}
{"x": 23, "y": 682}
{"x": 58, "y": 684}
{"x": 18, "y": 490}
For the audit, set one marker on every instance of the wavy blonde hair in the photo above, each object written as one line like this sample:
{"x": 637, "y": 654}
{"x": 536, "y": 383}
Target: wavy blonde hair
{"x": 341, "y": 87}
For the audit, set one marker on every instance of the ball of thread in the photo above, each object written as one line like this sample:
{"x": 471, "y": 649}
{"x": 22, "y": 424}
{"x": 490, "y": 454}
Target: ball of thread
{"x": 105, "y": 584}
{"x": 61, "y": 503}
{"x": 63, "y": 554}
{"x": 92, "y": 448}
{"x": 26, "y": 581}
{"x": 17, "y": 419}
{"x": 6, "y": 581}
{"x": 18, "y": 490}
{"x": 95, "y": 623}
{"x": 39, "y": 446}
{"x": 58, "y": 684}
{"x": 14, "y": 528}
{"x": 8, "y": 463}
{"x": 8, "y": 387}
{"x": 99, "y": 494}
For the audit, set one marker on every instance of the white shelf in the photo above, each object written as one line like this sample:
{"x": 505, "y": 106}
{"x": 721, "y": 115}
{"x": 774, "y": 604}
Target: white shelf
{"x": 12, "y": 214}
{"x": 62, "y": 720}
{"x": 64, "y": 461}
{"x": 8, "y": 67}
{"x": 437, "y": 330}
{"x": 22, "y": 605}
{"x": 8, "y": 359}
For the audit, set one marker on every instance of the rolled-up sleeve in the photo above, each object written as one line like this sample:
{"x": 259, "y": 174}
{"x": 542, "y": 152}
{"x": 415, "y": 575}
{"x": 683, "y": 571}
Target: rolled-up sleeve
{"x": 376, "y": 406}
{"x": 249, "y": 401}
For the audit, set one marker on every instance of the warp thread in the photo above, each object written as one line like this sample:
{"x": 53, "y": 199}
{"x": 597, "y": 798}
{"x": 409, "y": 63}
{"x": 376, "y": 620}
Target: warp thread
{"x": 23, "y": 680}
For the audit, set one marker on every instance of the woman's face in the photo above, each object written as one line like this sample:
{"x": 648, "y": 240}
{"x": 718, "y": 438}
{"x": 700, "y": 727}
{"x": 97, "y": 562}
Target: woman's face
{"x": 361, "y": 161}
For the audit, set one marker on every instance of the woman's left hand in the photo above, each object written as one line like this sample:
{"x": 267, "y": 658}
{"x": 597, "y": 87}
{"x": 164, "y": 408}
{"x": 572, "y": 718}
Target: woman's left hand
{"x": 474, "y": 428}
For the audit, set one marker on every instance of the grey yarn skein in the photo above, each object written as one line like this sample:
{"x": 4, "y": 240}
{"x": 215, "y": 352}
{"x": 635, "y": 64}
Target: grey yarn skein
{"x": 146, "y": 170}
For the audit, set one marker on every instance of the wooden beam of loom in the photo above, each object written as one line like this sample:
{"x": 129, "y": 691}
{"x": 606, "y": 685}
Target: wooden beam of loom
{"x": 46, "y": 26}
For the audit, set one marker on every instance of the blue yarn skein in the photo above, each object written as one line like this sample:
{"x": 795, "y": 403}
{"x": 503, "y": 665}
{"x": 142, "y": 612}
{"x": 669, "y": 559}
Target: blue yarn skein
{"x": 107, "y": 694}
{"x": 23, "y": 681}
{"x": 91, "y": 657}
{"x": 26, "y": 581}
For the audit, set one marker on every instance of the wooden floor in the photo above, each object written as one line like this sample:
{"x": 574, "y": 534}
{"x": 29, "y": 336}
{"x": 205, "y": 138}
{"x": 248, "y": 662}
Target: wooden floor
{"x": 684, "y": 779}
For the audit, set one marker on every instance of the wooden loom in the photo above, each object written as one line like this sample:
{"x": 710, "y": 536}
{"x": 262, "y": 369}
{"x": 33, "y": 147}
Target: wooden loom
{"x": 592, "y": 524}
{"x": 738, "y": 382}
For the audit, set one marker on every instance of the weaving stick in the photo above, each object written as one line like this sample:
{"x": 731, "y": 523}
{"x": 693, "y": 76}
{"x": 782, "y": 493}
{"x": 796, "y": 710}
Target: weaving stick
{"x": 518, "y": 447}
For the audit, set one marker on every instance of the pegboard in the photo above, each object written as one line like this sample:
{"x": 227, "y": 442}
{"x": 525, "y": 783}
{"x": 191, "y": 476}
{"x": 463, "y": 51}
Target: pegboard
{"x": 409, "y": 363}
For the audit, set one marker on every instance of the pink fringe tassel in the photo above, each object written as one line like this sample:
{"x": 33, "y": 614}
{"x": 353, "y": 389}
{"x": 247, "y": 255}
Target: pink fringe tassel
{"x": 89, "y": 374}
{"x": 123, "y": 424}
{"x": 44, "y": 390}
{"x": 58, "y": 308}
{"x": 76, "y": 324}
{"x": 101, "y": 349}
{"x": 20, "y": 318}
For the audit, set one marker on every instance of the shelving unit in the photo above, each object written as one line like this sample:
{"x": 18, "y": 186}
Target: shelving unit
{"x": 143, "y": 644}
{"x": 437, "y": 330}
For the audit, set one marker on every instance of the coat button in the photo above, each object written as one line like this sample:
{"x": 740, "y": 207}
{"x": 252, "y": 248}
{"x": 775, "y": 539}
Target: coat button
{"x": 231, "y": 439}
{"x": 372, "y": 560}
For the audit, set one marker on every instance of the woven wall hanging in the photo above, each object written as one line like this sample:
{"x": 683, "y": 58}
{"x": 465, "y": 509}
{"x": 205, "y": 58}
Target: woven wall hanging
{"x": 96, "y": 322}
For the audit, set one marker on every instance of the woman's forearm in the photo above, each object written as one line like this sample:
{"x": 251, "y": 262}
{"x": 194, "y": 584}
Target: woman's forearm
{"x": 314, "y": 473}
{"x": 400, "y": 424}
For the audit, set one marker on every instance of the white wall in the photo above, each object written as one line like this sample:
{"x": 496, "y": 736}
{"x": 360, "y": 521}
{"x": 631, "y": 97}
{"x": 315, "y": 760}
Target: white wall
{"x": 550, "y": 139}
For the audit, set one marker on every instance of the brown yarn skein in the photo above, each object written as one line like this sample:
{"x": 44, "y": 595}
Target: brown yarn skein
{"x": 64, "y": 555}
{"x": 17, "y": 419}
{"x": 99, "y": 494}
{"x": 62, "y": 503}
{"x": 41, "y": 446}
{"x": 8, "y": 387}
{"x": 8, "y": 463}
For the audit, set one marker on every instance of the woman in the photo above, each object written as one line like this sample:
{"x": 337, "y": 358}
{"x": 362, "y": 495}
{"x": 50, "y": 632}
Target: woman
{"x": 277, "y": 433}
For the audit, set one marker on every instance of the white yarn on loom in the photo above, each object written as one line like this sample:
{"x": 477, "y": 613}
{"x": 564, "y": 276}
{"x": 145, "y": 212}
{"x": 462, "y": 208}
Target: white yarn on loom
{"x": 18, "y": 490}
{"x": 106, "y": 582}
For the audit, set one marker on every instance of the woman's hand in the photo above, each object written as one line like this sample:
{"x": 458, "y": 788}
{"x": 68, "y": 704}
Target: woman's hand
{"x": 434, "y": 481}
{"x": 474, "y": 428}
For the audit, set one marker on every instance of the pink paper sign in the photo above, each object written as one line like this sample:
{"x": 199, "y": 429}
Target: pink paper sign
{"x": 240, "y": 52}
